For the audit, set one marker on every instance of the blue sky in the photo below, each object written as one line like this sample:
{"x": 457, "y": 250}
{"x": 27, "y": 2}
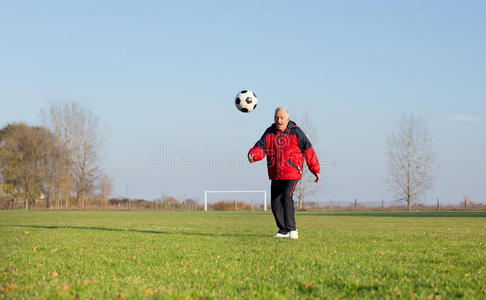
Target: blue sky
{"x": 162, "y": 77}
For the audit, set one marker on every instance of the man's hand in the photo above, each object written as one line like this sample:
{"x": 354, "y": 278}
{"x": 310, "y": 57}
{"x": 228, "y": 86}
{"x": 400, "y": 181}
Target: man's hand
{"x": 250, "y": 157}
{"x": 318, "y": 177}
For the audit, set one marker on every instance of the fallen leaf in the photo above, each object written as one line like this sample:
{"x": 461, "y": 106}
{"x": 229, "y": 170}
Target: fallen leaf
{"x": 10, "y": 288}
{"x": 67, "y": 287}
{"x": 149, "y": 291}
{"x": 450, "y": 268}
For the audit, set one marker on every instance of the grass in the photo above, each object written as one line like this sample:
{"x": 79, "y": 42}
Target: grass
{"x": 194, "y": 255}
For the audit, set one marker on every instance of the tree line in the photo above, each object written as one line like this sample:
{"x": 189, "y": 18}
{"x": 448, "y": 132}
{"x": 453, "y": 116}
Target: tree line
{"x": 57, "y": 164}
{"x": 58, "y": 161}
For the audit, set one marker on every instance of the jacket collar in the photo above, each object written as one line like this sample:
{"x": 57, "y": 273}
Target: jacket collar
{"x": 290, "y": 125}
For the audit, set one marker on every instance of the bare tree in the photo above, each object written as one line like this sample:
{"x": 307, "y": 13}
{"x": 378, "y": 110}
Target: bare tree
{"x": 467, "y": 202}
{"x": 105, "y": 188}
{"x": 410, "y": 159}
{"x": 79, "y": 135}
{"x": 49, "y": 164}
{"x": 307, "y": 186}
{"x": 86, "y": 154}
{"x": 57, "y": 119}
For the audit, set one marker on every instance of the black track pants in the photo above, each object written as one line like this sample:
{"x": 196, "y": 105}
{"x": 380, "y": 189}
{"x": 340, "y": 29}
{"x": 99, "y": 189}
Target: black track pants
{"x": 283, "y": 204}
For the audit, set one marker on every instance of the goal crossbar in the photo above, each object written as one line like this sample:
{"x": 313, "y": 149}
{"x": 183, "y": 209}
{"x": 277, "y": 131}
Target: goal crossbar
{"x": 250, "y": 191}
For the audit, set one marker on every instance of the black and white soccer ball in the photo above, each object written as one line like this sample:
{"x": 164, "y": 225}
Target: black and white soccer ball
{"x": 246, "y": 101}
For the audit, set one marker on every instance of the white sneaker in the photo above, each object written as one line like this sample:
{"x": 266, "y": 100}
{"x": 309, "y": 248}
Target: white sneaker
{"x": 294, "y": 234}
{"x": 280, "y": 235}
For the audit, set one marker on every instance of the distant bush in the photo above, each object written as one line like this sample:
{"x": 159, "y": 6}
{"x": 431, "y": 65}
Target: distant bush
{"x": 229, "y": 205}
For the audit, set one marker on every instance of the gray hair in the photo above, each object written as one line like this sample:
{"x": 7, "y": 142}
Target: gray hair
{"x": 281, "y": 108}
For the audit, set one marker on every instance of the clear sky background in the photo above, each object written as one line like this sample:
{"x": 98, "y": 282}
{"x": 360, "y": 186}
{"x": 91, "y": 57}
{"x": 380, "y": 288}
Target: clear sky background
{"x": 162, "y": 76}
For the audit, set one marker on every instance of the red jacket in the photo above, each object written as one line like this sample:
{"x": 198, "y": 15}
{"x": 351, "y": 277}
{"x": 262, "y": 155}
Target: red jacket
{"x": 285, "y": 152}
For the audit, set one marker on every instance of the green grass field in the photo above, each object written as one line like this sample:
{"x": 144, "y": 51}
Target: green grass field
{"x": 195, "y": 255}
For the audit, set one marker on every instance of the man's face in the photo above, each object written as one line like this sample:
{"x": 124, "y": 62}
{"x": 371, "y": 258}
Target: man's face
{"x": 281, "y": 120}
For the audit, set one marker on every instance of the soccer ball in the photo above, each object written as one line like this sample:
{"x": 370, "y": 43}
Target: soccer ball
{"x": 246, "y": 101}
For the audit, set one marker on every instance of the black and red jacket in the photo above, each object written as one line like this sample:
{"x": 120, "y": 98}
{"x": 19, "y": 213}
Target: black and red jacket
{"x": 285, "y": 151}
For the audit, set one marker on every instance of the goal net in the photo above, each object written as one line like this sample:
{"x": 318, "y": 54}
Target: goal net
{"x": 207, "y": 193}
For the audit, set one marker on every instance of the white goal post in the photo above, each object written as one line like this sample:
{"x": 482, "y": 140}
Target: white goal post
{"x": 264, "y": 197}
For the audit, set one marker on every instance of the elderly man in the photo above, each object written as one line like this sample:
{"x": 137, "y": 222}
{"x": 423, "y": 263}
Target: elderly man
{"x": 286, "y": 147}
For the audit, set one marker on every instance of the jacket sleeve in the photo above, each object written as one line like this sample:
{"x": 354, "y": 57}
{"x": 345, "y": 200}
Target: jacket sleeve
{"x": 308, "y": 152}
{"x": 259, "y": 150}
{"x": 312, "y": 161}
